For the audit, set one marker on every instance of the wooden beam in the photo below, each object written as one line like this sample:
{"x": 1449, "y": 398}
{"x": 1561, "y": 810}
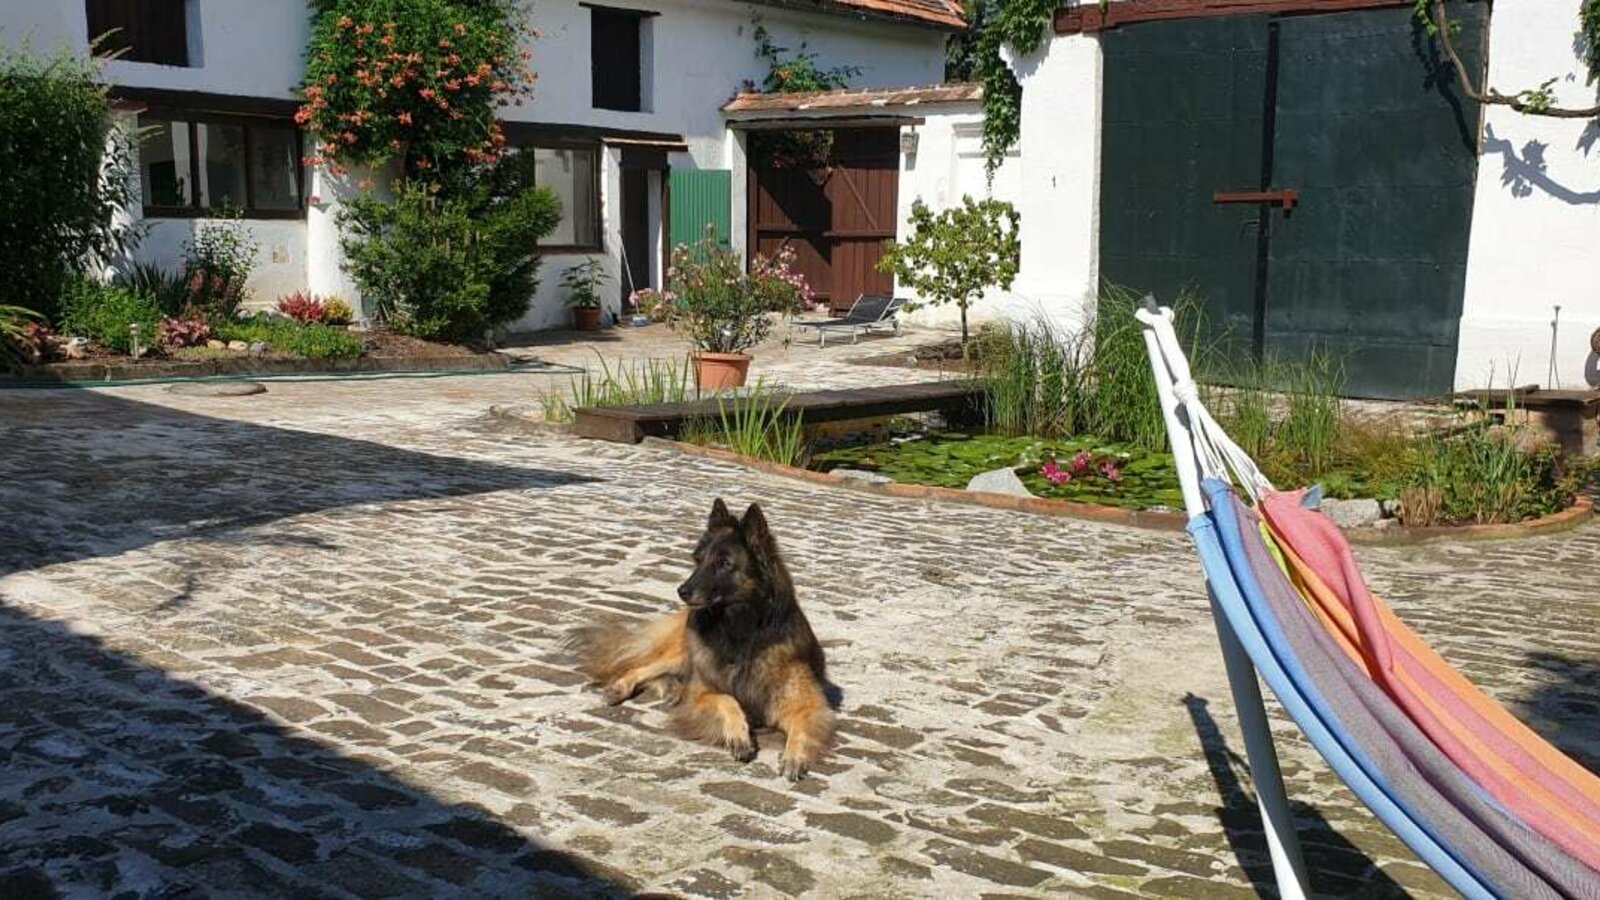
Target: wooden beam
{"x": 1088, "y": 17}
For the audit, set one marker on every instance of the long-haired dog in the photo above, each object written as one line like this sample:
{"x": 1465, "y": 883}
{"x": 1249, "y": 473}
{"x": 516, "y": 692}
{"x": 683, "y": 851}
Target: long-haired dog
{"x": 739, "y": 656}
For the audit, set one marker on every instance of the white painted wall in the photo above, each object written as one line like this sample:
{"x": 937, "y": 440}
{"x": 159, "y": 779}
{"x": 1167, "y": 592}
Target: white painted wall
{"x": 701, "y": 52}
{"x": 1536, "y": 217}
{"x": 1059, "y": 179}
{"x": 948, "y": 165}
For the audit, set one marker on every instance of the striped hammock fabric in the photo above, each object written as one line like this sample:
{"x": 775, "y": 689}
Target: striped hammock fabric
{"x": 1484, "y": 800}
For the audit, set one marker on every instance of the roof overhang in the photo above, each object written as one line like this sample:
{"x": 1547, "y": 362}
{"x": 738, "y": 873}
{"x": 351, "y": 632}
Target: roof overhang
{"x": 878, "y": 11}
{"x": 1086, "y": 18}
{"x": 822, "y": 123}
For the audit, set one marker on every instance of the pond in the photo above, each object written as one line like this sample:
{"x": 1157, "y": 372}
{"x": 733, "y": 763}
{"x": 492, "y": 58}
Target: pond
{"x": 1083, "y": 469}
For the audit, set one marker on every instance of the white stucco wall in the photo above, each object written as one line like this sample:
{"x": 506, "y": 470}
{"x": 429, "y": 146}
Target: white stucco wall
{"x": 948, "y": 165}
{"x": 700, "y": 52}
{"x": 1059, "y": 179}
{"x": 1536, "y": 216}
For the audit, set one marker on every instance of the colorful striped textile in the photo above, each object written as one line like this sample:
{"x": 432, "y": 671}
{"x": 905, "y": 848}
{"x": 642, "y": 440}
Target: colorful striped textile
{"x": 1534, "y": 781}
{"x": 1429, "y": 789}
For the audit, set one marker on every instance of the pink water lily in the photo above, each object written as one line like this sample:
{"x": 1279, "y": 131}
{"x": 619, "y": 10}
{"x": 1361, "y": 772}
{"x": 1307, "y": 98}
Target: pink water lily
{"x": 1110, "y": 471}
{"x": 1054, "y": 473}
{"x": 1081, "y": 462}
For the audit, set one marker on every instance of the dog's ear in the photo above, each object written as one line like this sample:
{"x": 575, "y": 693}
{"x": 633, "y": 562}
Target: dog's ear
{"x": 720, "y": 517}
{"x": 757, "y": 535}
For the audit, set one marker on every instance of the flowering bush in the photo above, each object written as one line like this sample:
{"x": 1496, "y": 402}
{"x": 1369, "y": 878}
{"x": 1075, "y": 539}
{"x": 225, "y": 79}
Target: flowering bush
{"x": 304, "y": 308}
{"x": 188, "y": 332}
{"x": 337, "y": 311}
{"x": 217, "y": 263}
{"x": 719, "y": 306}
{"x": 414, "y": 80}
{"x": 787, "y": 289}
{"x": 653, "y": 304}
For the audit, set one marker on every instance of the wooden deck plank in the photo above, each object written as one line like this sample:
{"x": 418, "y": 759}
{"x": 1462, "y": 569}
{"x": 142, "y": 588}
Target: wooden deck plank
{"x": 631, "y": 424}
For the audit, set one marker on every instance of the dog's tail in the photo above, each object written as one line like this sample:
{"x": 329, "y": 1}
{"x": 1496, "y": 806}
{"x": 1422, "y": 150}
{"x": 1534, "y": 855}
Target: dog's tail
{"x": 609, "y": 649}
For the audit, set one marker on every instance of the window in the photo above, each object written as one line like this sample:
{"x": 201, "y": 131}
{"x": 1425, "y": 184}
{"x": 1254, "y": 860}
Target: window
{"x": 617, "y": 54}
{"x": 189, "y": 164}
{"x": 150, "y": 31}
{"x": 573, "y": 174}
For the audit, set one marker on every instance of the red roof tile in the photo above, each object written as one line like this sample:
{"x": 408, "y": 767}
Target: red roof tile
{"x": 853, "y": 99}
{"x": 943, "y": 13}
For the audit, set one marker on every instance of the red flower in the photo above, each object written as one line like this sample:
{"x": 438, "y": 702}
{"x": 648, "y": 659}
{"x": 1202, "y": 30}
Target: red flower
{"x": 405, "y": 118}
{"x": 426, "y": 93}
{"x": 346, "y": 22}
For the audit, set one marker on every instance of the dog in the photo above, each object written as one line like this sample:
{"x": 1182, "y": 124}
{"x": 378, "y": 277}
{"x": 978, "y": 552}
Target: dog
{"x": 740, "y": 655}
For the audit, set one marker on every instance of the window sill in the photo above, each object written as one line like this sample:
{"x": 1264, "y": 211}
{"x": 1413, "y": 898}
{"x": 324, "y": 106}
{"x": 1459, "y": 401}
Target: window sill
{"x": 571, "y": 249}
{"x": 192, "y": 212}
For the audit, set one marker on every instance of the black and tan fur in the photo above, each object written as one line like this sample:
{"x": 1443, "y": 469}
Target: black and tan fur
{"x": 739, "y": 656}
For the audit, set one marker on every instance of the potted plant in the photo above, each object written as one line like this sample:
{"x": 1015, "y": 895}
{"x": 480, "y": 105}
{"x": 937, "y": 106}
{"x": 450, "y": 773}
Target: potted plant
{"x": 583, "y": 282}
{"x": 724, "y": 310}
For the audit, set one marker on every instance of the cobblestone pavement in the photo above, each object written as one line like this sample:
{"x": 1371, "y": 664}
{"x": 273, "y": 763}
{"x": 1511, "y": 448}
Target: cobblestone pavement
{"x": 307, "y": 643}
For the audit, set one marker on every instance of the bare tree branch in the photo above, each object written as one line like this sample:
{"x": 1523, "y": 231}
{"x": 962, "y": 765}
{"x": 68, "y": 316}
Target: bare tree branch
{"x": 1518, "y": 102}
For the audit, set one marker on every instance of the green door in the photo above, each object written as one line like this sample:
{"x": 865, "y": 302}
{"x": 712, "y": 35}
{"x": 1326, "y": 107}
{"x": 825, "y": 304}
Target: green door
{"x": 1357, "y": 115}
{"x": 697, "y": 198}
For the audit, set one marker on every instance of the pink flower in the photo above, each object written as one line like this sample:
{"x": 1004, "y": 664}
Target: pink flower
{"x": 1081, "y": 462}
{"x": 1054, "y": 473}
{"x": 1109, "y": 470}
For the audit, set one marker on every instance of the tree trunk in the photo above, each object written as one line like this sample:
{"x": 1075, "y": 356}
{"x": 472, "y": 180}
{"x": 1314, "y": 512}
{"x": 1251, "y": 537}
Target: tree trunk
{"x": 963, "y": 324}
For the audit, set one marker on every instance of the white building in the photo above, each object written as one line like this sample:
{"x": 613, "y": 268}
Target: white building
{"x": 215, "y": 82}
{"x": 1428, "y": 241}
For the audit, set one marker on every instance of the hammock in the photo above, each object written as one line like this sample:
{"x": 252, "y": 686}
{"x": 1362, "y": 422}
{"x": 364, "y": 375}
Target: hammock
{"x": 1483, "y": 800}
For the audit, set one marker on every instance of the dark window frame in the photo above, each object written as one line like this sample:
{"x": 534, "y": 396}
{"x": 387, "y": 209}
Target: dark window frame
{"x": 603, "y": 95}
{"x": 597, "y": 148}
{"x": 196, "y": 118}
{"x": 147, "y": 36}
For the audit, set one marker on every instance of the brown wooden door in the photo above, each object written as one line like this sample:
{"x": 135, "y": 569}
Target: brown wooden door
{"x": 836, "y": 218}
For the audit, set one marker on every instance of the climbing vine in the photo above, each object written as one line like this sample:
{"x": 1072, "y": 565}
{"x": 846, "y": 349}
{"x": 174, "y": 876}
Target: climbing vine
{"x": 1537, "y": 101}
{"x": 1021, "y": 25}
{"x": 797, "y": 73}
{"x": 415, "y": 80}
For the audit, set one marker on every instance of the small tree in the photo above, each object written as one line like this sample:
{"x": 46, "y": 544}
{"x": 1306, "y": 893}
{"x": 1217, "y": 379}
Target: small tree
{"x": 956, "y": 255}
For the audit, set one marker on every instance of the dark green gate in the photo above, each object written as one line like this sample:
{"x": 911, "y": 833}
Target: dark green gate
{"x": 1310, "y": 176}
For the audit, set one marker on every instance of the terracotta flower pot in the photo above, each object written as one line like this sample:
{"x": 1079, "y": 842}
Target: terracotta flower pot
{"x": 718, "y": 371}
{"x": 586, "y": 318}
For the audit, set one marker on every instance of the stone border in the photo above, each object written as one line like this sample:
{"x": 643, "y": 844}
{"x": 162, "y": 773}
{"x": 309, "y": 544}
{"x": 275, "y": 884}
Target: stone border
{"x": 1579, "y": 512}
{"x": 79, "y": 373}
{"x": 1569, "y": 518}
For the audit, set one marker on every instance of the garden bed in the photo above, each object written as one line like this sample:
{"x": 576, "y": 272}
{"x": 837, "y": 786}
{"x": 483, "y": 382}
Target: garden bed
{"x": 382, "y": 352}
{"x": 1164, "y": 520}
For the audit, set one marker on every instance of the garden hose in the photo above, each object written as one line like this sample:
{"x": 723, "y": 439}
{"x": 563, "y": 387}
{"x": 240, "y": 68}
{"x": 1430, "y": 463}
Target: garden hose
{"x": 513, "y": 369}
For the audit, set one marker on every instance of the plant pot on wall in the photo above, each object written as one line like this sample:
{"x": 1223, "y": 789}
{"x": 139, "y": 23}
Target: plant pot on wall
{"x": 586, "y": 318}
{"x": 720, "y": 371}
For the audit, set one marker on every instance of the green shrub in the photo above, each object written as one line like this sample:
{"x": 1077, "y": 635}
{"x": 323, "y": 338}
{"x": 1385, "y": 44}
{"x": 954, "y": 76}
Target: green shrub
{"x": 292, "y": 338}
{"x": 104, "y": 312}
{"x": 754, "y": 425}
{"x": 166, "y": 288}
{"x": 67, "y": 171}
{"x": 217, "y": 264}
{"x": 15, "y": 325}
{"x": 449, "y": 263}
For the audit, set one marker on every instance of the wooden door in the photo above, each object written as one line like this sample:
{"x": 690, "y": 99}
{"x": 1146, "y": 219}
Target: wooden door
{"x": 836, "y": 218}
{"x": 1357, "y": 115}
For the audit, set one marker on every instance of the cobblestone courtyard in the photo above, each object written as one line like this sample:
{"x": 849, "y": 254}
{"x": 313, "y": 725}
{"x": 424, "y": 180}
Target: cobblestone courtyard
{"x": 308, "y": 643}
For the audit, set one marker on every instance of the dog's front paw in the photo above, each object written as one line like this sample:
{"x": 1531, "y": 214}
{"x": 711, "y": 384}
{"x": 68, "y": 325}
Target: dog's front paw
{"x": 743, "y": 749}
{"x": 616, "y": 692}
{"x": 794, "y": 768}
